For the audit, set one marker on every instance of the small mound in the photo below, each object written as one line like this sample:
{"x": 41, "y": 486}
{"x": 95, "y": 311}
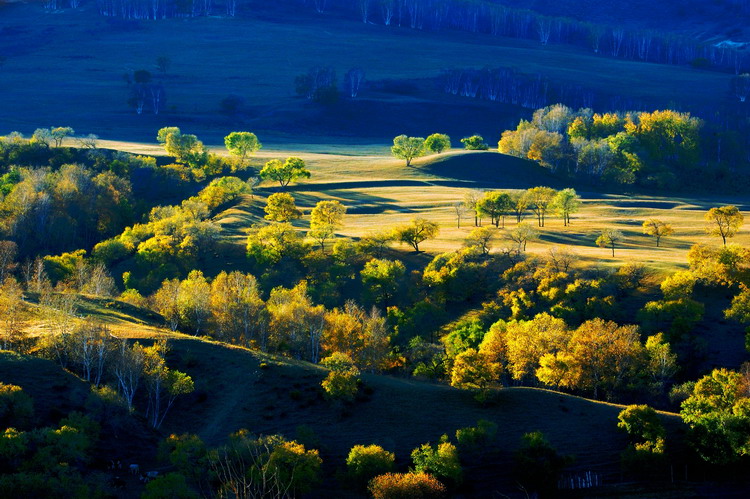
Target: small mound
{"x": 493, "y": 168}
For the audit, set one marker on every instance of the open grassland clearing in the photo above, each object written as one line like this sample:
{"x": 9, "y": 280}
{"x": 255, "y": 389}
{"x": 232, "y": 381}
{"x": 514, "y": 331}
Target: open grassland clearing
{"x": 381, "y": 192}
{"x": 258, "y": 58}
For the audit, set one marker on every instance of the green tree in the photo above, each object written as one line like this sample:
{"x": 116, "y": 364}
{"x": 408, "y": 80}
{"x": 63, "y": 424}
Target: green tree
{"x": 441, "y": 461}
{"x": 645, "y": 428}
{"x": 193, "y": 300}
{"x": 718, "y": 414}
{"x": 540, "y": 200}
{"x": 280, "y": 207}
{"x": 341, "y": 381}
{"x": 60, "y": 133}
{"x": 566, "y": 202}
{"x": 408, "y": 148}
{"x": 538, "y": 464}
{"x": 289, "y": 171}
{"x": 381, "y": 278}
{"x": 610, "y": 238}
{"x": 481, "y": 239}
{"x": 16, "y": 407}
{"x": 417, "y": 232}
{"x": 437, "y": 143}
{"x": 475, "y": 143}
{"x": 475, "y": 371}
{"x": 657, "y": 228}
{"x": 366, "y": 462}
{"x": 185, "y": 148}
{"x": 325, "y": 219}
{"x": 270, "y": 243}
{"x": 724, "y": 221}
{"x": 496, "y": 205}
{"x": 241, "y": 145}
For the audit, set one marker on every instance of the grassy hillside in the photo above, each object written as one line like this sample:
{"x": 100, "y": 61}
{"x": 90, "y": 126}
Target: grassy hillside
{"x": 86, "y": 55}
{"x": 233, "y": 391}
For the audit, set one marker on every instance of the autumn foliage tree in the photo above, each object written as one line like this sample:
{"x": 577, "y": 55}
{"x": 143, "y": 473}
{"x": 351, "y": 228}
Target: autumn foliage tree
{"x": 724, "y": 221}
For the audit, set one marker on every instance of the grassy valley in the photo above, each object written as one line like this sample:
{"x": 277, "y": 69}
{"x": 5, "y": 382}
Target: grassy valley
{"x": 555, "y": 306}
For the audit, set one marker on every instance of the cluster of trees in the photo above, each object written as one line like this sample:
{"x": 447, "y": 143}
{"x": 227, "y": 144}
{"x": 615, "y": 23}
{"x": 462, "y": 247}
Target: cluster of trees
{"x": 173, "y": 238}
{"x": 662, "y": 148}
{"x": 231, "y": 308}
{"x": 410, "y": 148}
{"x": 42, "y": 461}
{"x": 476, "y": 17}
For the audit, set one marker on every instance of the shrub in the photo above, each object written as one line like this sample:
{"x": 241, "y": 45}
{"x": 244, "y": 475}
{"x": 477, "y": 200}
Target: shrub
{"x": 341, "y": 382}
{"x": 475, "y": 143}
{"x": 476, "y": 436}
{"x": 367, "y": 462}
{"x": 538, "y": 465}
{"x": 406, "y": 486}
{"x": 16, "y": 408}
{"x": 441, "y": 461}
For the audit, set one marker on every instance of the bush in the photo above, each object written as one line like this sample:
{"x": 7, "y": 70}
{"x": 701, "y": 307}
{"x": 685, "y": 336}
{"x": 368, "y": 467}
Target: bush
{"x": 406, "y": 486}
{"x": 367, "y": 462}
{"x": 476, "y": 436}
{"x": 441, "y": 461}
{"x": 475, "y": 143}
{"x": 16, "y": 408}
{"x": 538, "y": 465}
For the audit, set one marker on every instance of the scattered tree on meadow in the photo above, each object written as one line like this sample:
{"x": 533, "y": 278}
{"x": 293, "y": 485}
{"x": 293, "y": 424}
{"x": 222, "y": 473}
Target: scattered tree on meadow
{"x": 522, "y": 234}
{"x": 481, "y": 239}
{"x": 471, "y": 199}
{"x": 519, "y": 204}
{"x": 417, "y": 232}
{"x": 610, "y": 238}
{"x": 280, "y": 207}
{"x": 59, "y": 134}
{"x": 437, "y": 143}
{"x": 475, "y": 143}
{"x": 325, "y": 219}
{"x": 459, "y": 209}
{"x": 375, "y": 243}
{"x": 566, "y": 202}
{"x": 496, "y": 205}
{"x": 241, "y": 145}
{"x": 657, "y": 228}
{"x": 540, "y": 200}
{"x": 289, "y": 171}
{"x": 185, "y": 148}
{"x": 408, "y": 148}
{"x": 724, "y": 221}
